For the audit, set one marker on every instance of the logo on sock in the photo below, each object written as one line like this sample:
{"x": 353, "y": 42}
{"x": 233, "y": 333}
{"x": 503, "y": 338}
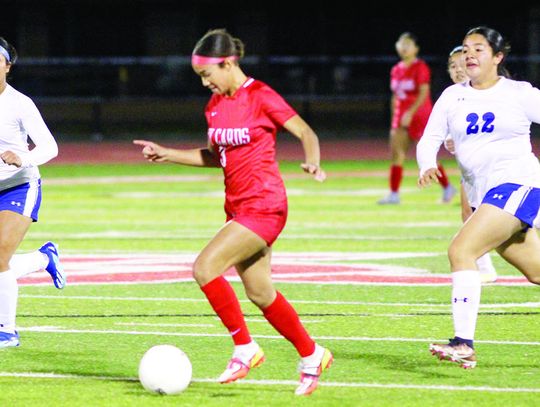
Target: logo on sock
{"x": 464, "y": 299}
{"x": 235, "y": 332}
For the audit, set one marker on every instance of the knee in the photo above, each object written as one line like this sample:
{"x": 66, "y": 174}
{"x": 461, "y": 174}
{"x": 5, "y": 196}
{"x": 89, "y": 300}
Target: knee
{"x": 204, "y": 270}
{"x": 454, "y": 253}
{"x": 534, "y": 279}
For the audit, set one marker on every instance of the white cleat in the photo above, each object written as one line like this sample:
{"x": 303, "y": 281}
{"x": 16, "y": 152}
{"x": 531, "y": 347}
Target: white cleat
{"x": 237, "y": 369}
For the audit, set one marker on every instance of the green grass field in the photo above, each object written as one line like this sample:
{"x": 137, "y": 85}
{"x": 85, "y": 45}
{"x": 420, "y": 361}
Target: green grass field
{"x": 81, "y": 346}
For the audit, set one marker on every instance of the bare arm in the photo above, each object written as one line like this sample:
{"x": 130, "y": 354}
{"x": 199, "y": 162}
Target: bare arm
{"x": 310, "y": 143}
{"x": 196, "y": 157}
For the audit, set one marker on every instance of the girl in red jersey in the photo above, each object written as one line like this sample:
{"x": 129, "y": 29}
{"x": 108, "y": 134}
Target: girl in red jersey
{"x": 243, "y": 117}
{"x": 411, "y": 105}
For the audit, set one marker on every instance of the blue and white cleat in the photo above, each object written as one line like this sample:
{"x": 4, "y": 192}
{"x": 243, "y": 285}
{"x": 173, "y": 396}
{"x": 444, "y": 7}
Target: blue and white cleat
{"x": 54, "y": 268}
{"x": 391, "y": 199}
{"x": 8, "y": 340}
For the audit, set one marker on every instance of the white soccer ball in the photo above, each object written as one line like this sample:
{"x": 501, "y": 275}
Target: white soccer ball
{"x": 165, "y": 369}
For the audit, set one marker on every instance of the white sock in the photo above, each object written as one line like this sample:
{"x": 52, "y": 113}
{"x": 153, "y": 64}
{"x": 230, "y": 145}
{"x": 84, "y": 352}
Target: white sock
{"x": 23, "y": 264}
{"x": 9, "y": 291}
{"x": 315, "y": 358}
{"x": 485, "y": 264}
{"x": 466, "y": 288}
{"x": 246, "y": 352}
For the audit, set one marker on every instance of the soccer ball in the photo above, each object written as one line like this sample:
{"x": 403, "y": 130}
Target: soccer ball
{"x": 165, "y": 369}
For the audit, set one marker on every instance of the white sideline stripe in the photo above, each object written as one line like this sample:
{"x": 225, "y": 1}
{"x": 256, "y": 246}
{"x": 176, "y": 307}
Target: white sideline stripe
{"x": 388, "y": 304}
{"x": 173, "y": 325}
{"x": 52, "y": 329}
{"x": 138, "y": 235}
{"x": 288, "y": 383}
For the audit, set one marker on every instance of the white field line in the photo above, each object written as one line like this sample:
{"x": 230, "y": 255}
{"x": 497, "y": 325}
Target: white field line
{"x": 242, "y": 382}
{"x": 138, "y": 235}
{"x": 290, "y": 225}
{"x": 304, "y": 321}
{"x": 523, "y": 283}
{"x": 204, "y": 300}
{"x": 251, "y": 320}
{"x": 290, "y": 192}
{"x": 165, "y": 325}
{"x": 52, "y": 329}
{"x": 283, "y": 257}
{"x": 128, "y": 179}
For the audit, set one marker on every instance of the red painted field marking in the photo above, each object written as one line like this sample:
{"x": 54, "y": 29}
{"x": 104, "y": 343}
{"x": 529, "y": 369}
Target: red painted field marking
{"x": 319, "y": 269}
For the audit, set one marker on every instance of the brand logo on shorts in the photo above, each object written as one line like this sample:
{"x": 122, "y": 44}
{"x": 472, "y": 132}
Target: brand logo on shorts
{"x": 15, "y": 203}
{"x": 498, "y": 196}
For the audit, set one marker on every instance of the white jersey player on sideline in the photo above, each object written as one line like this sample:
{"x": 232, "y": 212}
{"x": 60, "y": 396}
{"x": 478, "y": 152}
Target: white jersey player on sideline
{"x": 489, "y": 118}
{"x": 20, "y": 194}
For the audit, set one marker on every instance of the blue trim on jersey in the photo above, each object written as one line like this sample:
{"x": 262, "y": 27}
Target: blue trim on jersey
{"x": 24, "y": 199}
{"x": 519, "y": 200}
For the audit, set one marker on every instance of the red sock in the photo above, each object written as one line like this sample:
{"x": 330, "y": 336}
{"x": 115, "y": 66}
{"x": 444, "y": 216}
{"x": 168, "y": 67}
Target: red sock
{"x": 223, "y": 300}
{"x": 285, "y": 320}
{"x": 443, "y": 179}
{"x": 396, "y": 175}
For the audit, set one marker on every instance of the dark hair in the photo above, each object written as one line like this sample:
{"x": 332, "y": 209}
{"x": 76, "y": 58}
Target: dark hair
{"x": 410, "y": 35}
{"x": 497, "y": 43}
{"x": 219, "y": 43}
{"x": 10, "y": 49}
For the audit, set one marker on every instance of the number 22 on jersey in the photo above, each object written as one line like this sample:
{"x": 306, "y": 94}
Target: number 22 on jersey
{"x": 483, "y": 124}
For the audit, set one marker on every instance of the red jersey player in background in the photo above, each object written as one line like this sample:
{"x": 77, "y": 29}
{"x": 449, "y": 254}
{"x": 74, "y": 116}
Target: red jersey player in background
{"x": 244, "y": 116}
{"x": 411, "y": 105}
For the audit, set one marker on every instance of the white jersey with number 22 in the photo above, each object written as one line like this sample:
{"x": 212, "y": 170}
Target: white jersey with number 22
{"x": 491, "y": 132}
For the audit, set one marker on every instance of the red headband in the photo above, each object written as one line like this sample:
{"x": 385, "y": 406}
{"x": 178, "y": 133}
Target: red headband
{"x": 202, "y": 60}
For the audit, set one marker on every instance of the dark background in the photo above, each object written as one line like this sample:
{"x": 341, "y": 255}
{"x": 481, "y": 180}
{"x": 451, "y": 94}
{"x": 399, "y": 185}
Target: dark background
{"x": 104, "y": 68}
{"x": 162, "y": 27}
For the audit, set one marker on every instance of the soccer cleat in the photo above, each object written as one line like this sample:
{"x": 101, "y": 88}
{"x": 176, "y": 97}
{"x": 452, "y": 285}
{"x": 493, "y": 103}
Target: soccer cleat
{"x": 488, "y": 276}
{"x": 237, "y": 369}
{"x": 54, "y": 268}
{"x": 309, "y": 375}
{"x": 448, "y": 193}
{"x": 454, "y": 351}
{"x": 391, "y": 199}
{"x": 8, "y": 340}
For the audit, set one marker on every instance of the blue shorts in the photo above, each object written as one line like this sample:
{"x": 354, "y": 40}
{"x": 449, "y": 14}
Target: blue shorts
{"x": 519, "y": 200}
{"x": 24, "y": 199}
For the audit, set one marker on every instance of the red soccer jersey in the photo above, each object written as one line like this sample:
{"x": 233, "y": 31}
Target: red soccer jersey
{"x": 242, "y": 130}
{"x": 405, "y": 83}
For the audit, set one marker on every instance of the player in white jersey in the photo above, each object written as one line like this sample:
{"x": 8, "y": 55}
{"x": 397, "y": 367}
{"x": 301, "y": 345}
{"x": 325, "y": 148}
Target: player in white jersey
{"x": 456, "y": 70}
{"x": 20, "y": 193}
{"x": 489, "y": 118}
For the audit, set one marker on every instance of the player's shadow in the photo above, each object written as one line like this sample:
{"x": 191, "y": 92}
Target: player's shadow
{"x": 424, "y": 365}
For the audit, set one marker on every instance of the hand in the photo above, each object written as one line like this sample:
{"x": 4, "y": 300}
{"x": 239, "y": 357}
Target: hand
{"x": 315, "y": 170}
{"x": 152, "y": 151}
{"x": 10, "y": 158}
{"x": 430, "y": 175}
{"x": 450, "y": 145}
{"x": 406, "y": 119}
